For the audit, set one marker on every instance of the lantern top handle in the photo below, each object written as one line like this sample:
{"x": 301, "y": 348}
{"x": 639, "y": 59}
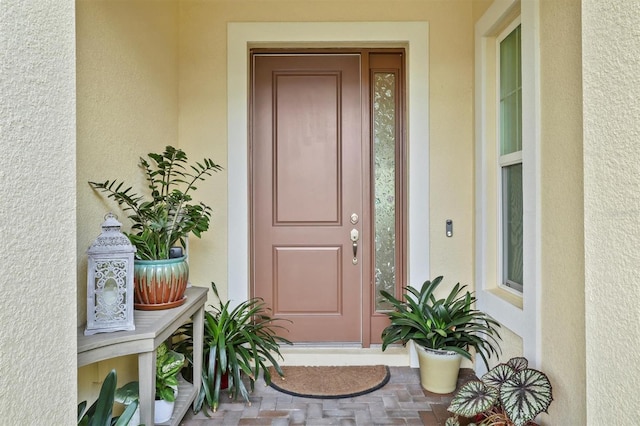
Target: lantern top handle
{"x": 111, "y": 240}
{"x": 111, "y": 221}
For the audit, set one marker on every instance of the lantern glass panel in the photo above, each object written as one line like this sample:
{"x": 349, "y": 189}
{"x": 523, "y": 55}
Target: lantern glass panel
{"x": 111, "y": 290}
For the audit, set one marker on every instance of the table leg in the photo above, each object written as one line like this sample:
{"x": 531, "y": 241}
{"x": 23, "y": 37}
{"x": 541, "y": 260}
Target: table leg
{"x": 198, "y": 336}
{"x": 147, "y": 386}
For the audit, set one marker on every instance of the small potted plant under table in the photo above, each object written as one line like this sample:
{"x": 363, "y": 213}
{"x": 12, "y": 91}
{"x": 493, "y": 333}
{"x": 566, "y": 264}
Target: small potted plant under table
{"x": 168, "y": 365}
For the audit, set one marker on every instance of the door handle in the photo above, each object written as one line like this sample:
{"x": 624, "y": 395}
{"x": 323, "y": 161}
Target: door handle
{"x": 355, "y": 236}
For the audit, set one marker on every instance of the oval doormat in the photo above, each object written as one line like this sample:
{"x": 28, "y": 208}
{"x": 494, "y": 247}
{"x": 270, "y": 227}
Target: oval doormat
{"x": 330, "y": 382}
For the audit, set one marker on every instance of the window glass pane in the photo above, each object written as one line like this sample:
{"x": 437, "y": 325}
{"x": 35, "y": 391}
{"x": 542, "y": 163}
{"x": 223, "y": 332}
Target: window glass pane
{"x": 384, "y": 151}
{"x": 510, "y": 94}
{"x": 510, "y": 133}
{"x": 509, "y": 63}
{"x": 512, "y": 224}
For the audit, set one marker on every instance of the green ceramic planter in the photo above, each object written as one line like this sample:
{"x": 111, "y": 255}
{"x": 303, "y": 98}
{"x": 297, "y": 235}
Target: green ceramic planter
{"x": 160, "y": 284}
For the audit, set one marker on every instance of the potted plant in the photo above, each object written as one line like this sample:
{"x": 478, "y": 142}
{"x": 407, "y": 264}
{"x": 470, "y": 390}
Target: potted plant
{"x": 238, "y": 342}
{"x": 101, "y": 411}
{"x": 510, "y": 394}
{"x": 168, "y": 365}
{"x": 443, "y": 330}
{"x": 162, "y": 220}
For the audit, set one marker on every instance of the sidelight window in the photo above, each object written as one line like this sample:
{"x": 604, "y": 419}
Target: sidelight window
{"x": 385, "y": 71}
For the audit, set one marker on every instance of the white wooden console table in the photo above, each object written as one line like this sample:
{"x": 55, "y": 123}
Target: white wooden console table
{"x": 152, "y": 328}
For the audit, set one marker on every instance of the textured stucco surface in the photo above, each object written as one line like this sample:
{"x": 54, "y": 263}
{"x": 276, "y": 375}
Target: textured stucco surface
{"x": 152, "y": 73}
{"x": 562, "y": 254}
{"x": 203, "y": 115}
{"x": 37, "y": 213}
{"x": 560, "y": 314}
{"x": 127, "y": 103}
{"x": 611, "y": 78}
{"x": 127, "y": 90}
{"x": 136, "y": 95}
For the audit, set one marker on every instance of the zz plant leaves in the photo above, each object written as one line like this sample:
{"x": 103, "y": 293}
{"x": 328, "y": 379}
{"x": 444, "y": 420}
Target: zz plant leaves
{"x": 165, "y": 214}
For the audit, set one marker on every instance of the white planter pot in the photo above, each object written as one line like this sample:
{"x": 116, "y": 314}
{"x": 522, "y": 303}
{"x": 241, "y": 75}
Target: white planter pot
{"x": 163, "y": 411}
{"x": 438, "y": 369}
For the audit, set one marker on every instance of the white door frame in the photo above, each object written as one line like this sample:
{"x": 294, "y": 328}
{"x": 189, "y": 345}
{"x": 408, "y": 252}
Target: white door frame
{"x": 241, "y": 36}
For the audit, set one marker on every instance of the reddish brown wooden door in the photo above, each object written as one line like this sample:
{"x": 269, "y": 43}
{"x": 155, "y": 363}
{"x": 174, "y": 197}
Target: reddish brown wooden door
{"x": 307, "y": 168}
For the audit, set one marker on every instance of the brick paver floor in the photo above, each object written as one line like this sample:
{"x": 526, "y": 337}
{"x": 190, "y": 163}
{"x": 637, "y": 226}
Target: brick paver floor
{"x": 402, "y": 401}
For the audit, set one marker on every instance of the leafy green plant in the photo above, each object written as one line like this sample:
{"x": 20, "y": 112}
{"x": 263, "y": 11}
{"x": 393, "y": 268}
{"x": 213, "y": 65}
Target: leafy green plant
{"x": 128, "y": 394}
{"x": 168, "y": 365}
{"x": 167, "y": 216}
{"x": 450, "y": 324}
{"x": 510, "y": 394}
{"x": 100, "y": 412}
{"x": 238, "y": 342}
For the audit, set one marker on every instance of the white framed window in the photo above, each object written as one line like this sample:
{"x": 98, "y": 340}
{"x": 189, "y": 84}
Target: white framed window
{"x": 507, "y": 131}
{"x": 509, "y": 148}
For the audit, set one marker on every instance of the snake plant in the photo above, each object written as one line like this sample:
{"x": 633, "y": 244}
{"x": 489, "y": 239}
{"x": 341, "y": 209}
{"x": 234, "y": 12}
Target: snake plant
{"x": 510, "y": 394}
{"x": 166, "y": 215}
{"x": 450, "y": 324}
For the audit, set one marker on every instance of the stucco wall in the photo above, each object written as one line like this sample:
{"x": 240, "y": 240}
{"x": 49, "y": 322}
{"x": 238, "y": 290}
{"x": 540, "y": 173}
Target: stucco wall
{"x": 127, "y": 89}
{"x": 611, "y": 79}
{"x": 562, "y": 258}
{"x": 551, "y": 335}
{"x": 37, "y": 210}
{"x": 203, "y": 109}
{"x": 153, "y": 73}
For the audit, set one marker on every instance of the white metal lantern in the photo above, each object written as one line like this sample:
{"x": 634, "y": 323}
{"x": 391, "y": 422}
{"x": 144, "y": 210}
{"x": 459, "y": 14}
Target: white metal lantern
{"x": 110, "y": 280}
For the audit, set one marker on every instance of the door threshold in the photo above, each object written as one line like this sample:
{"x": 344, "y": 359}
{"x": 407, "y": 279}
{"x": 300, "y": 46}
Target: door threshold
{"x": 329, "y": 354}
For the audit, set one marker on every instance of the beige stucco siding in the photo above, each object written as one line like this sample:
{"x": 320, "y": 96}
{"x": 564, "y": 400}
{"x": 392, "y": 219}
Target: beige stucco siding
{"x": 152, "y": 73}
{"x": 127, "y": 89}
{"x": 37, "y": 213}
{"x": 611, "y": 79}
{"x": 127, "y": 102}
{"x": 203, "y": 116}
{"x": 155, "y": 73}
{"x": 562, "y": 342}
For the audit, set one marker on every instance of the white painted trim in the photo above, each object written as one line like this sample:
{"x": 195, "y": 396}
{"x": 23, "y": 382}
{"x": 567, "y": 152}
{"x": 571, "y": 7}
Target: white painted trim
{"x": 531, "y": 179}
{"x": 414, "y": 36}
{"x": 525, "y": 322}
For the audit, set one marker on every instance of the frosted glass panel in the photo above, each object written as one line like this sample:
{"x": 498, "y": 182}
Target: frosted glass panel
{"x": 384, "y": 151}
{"x": 512, "y": 225}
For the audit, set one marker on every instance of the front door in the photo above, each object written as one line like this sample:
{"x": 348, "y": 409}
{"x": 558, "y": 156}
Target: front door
{"x": 311, "y": 216}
